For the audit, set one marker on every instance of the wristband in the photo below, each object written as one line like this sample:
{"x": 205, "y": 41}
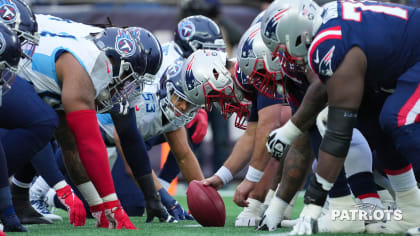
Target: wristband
{"x": 290, "y": 132}
{"x": 253, "y": 174}
{"x": 224, "y": 174}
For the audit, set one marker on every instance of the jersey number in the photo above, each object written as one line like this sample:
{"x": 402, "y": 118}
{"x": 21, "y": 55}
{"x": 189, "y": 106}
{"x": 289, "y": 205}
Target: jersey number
{"x": 150, "y": 106}
{"x": 352, "y": 10}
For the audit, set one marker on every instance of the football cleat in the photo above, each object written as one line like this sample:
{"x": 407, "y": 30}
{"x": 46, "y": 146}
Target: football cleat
{"x": 41, "y": 207}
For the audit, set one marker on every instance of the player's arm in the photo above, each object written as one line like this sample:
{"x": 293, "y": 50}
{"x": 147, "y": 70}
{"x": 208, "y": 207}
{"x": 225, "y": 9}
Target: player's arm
{"x": 268, "y": 119}
{"x": 313, "y": 102}
{"x": 237, "y": 160}
{"x": 187, "y": 162}
{"x": 345, "y": 92}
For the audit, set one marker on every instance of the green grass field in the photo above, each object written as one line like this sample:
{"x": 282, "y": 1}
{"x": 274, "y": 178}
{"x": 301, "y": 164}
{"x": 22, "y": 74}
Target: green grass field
{"x": 182, "y": 228}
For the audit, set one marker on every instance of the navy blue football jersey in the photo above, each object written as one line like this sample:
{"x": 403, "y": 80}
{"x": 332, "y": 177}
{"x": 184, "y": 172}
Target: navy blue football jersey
{"x": 387, "y": 33}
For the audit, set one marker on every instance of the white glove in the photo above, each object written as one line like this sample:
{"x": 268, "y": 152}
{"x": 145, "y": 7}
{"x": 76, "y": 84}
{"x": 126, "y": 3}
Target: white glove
{"x": 273, "y": 215}
{"x": 306, "y": 224}
{"x": 280, "y": 139}
{"x": 321, "y": 121}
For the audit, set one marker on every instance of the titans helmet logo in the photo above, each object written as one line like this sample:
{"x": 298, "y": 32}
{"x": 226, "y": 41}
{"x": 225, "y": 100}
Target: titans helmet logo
{"x": 124, "y": 44}
{"x": 186, "y": 29}
{"x": 174, "y": 70}
{"x": 8, "y": 11}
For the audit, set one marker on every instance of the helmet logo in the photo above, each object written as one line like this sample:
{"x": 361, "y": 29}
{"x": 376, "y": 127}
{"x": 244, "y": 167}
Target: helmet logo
{"x": 189, "y": 77}
{"x": 8, "y": 11}
{"x": 174, "y": 70}
{"x": 270, "y": 29}
{"x": 124, "y": 44}
{"x": 240, "y": 76}
{"x": 186, "y": 29}
{"x": 247, "y": 49}
{"x": 2, "y": 44}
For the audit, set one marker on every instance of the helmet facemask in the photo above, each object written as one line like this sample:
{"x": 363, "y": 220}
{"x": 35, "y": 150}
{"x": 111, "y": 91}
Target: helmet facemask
{"x": 178, "y": 109}
{"x": 265, "y": 81}
{"x": 288, "y": 62}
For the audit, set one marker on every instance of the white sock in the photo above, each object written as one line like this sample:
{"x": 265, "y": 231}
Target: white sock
{"x": 89, "y": 193}
{"x": 50, "y": 197}
{"x": 269, "y": 196}
{"x": 38, "y": 189}
{"x": 402, "y": 180}
{"x": 111, "y": 197}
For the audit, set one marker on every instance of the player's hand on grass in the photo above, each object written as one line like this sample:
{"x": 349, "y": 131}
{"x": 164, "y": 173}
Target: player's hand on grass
{"x": 242, "y": 192}
{"x": 173, "y": 207}
{"x": 75, "y": 208}
{"x": 213, "y": 181}
{"x": 307, "y": 224}
{"x": 156, "y": 209}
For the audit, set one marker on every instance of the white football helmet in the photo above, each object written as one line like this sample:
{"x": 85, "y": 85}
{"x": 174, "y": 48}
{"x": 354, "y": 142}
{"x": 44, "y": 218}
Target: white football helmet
{"x": 257, "y": 62}
{"x": 288, "y": 27}
{"x": 207, "y": 81}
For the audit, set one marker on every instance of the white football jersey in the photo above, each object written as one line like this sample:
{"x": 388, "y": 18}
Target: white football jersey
{"x": 171, "y": 54}
{"x": 57, "y": 36}
{"x": 148, "y": 115}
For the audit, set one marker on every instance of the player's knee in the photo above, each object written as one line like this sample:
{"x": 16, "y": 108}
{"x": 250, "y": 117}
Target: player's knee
{"x": 388, "y": 121}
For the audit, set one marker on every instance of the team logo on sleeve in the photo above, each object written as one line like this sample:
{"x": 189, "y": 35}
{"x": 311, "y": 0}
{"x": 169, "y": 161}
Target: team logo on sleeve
{"x": 8, "y": 11}
{"x": 186, "y": 29}
{"x": 189, "y": 77}
{"x": 174, "y": 70}
{"x": 325, "y": 64}
{"x": 124, "y": 44}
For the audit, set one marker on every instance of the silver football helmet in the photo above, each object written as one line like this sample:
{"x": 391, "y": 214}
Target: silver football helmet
{"x": 257, "y": 63}
{"x": 207, "y": 81}
{"x": 288, "y": 27}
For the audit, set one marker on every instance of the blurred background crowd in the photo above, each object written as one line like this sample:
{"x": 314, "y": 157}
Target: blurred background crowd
{"x": 161, "y": 17}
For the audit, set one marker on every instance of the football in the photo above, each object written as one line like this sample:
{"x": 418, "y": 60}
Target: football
{"x": 206, "y": 205}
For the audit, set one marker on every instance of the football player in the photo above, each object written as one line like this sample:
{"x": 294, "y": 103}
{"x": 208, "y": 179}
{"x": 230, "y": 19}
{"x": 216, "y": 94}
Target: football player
{"x": 366, "y": 54}
{"x": 72, "y": 73}
{"x": 211, "y": 80}
{"x": 266, "y": 75}
{"x": 9, "y": 56}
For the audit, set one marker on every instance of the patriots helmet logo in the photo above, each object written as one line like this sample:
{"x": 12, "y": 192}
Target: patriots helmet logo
{"x": 325, "y": 64}
{"x": 186, "y": 29}
{"x": 8, "y": 11}
{"x": 247, "y": 49}
{"x": 124, "y": 44}
{"x": 189, "y": 77}
{"x": 270, "y": 29}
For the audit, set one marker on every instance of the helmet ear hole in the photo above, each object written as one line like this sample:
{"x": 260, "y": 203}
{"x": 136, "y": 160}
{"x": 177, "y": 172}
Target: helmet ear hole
{"x": 298, "y": 40}
{"x": 216, "y": 74}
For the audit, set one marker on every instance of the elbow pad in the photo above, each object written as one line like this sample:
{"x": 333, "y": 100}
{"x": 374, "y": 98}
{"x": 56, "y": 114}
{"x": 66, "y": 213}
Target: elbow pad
{"x": 341, "y": 122}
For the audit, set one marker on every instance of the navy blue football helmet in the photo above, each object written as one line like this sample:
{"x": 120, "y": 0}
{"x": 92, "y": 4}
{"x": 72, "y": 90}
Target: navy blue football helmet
{"x": 152, "y": 48}
{"x": 128, "y": 63}
{"x": 10, "y": 53}
{"x": 20, "y": 18}
{"x": 198, "y": 32}
{"x": 174, "y": 103}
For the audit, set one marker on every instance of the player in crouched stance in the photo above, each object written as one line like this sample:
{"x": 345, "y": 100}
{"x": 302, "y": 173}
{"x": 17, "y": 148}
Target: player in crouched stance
{"x": 350, "y": 59}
